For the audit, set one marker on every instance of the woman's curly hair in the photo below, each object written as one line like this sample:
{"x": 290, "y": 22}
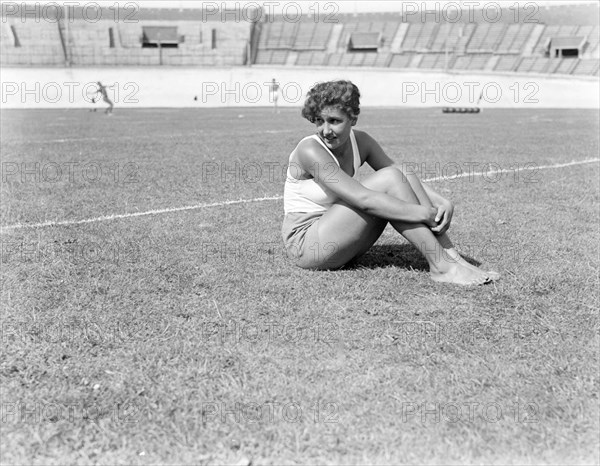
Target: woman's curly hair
{"x": 341, "y": 94}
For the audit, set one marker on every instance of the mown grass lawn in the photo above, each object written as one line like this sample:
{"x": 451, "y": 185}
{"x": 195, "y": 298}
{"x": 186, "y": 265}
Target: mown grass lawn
{"x": 188, "y": 338}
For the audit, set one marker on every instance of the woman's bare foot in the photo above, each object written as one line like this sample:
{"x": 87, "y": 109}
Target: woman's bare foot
{"x": 456, "y": 257}
{"x": 460, "y": 275}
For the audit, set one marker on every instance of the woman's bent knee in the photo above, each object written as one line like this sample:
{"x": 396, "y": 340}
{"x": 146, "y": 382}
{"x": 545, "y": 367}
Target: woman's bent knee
{"x": 386, "y": 179}
{"x": 392, "y": 181}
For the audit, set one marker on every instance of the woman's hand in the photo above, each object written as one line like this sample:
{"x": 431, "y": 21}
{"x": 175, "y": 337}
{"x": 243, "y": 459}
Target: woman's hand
{"x": 443, "y": 218}
{"x": 430, "y": 217}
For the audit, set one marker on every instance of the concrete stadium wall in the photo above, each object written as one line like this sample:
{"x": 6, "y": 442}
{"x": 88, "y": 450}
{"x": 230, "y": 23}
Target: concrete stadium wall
{"x": 249, "y": 86}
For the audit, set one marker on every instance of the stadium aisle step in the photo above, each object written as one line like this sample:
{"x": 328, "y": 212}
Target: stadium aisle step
{"x": 334, "y": 38}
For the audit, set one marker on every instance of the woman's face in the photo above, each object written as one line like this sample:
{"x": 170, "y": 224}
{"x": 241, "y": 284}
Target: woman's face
{"x": 333, "y": 127}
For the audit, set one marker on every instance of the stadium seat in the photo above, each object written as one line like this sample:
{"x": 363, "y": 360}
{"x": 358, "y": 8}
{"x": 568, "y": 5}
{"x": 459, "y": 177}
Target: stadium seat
{"x": 523, "y": 35}
{"x": 586, "y": 67}
{"x": 334, "y": 59}
{"x": 432, "y": 61}
{"x": 446, "y": 36}
{"x": 462, "y": 62}
{"x": 401, "y": 61}
{"x": 507, "y": 63}
{"x": 465, "y": 34}
{"x": 382, "y": 60}
{"x": 566, "y": 65}
{"x": 369, "y": 59}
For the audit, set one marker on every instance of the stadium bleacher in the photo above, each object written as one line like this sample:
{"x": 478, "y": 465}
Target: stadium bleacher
{"x": 565, "y": 66}
{"x": 593, "y": 42}
{"x": 507, "y": 63}
{"x": 401, "y": 60}
{"x": 465, "y": 34}
{"x": 357, "y": 40}
{"x": 433, "y": 61}
{"x": 25, "y": 45}
{"x": 278, "y": 35}
{"x": 476, "y": 44}
{"x": 586, "y": 67}
{"x": 523, "y": 33}
{"x": 312, "y": 36}
{"x": 271, "y": 57}
{"x": 387, "y": 30}
{"x": 462, "y": 62}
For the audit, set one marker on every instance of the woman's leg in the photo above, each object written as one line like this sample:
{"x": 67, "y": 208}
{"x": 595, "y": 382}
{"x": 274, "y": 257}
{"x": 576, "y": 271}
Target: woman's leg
{"x": 349, "y": 232}
{"x": 342, "y": 234}
{"x": 110, "y": 105}
{"x": 443, "y": 239}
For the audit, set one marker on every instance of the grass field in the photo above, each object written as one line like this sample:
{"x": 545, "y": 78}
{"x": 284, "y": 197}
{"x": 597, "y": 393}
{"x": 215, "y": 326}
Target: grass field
{"x": 186, "y": 337}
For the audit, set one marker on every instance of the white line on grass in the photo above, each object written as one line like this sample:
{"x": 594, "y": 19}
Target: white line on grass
{"x": 494, "y": 172}
{"x": 45, "y": 141}
{"x": 113, "y": 138}
{"x": 137, "y": 214}
{"x": 272, "y": 198}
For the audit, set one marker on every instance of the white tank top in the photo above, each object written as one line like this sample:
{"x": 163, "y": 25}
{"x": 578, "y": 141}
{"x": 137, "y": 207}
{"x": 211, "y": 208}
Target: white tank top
{"x": 307, "y": 195}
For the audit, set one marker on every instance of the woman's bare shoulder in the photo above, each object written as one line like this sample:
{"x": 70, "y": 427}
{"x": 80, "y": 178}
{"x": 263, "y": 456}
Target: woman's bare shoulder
{"x": 306, "y": 151}
{"x": 362, "y": 136}
{"x": 308, "y": 146}
{"x": 364, "y": 141}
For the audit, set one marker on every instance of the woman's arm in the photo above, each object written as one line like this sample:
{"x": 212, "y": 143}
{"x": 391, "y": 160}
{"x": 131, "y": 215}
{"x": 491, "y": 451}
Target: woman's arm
{"x": 315, "y": 160}
{"x": 378, "y": 159}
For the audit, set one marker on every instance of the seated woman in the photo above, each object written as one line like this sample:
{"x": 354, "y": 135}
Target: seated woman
{"x": 332, "y": 218}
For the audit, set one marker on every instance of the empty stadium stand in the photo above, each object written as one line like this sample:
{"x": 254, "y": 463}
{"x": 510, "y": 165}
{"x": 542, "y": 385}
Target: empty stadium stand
{"x": 39, "y": 44}
{"x": 560, "y": 40}
{"x": 187, "y": 39}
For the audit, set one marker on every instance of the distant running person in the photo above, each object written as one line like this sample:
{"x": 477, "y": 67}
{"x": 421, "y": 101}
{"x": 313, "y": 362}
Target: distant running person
{"x": 103, "y": 92}
{"x": 275, "y": 95}
{"x": 332, "y": 218}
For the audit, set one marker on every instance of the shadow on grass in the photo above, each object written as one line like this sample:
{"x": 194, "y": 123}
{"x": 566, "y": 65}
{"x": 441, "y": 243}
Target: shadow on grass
{"x": 396, "y": 255}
